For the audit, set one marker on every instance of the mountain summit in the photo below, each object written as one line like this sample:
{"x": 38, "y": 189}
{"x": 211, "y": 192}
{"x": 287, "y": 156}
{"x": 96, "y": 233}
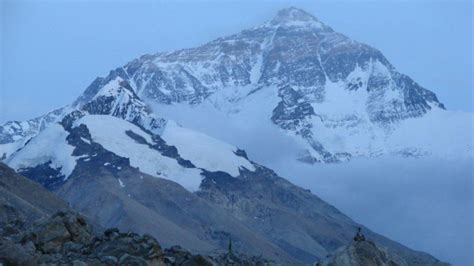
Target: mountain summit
{"x": 294, "y": 15}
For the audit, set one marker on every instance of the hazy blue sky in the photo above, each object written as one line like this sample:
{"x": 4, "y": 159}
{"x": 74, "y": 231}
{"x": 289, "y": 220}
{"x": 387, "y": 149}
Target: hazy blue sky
{"x": 51, "y": 50}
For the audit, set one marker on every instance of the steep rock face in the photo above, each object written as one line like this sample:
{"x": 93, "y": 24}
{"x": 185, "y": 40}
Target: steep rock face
{"x": 292, "y": 112}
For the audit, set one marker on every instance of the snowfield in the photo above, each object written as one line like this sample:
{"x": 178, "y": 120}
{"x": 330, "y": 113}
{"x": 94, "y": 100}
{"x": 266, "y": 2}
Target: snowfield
{"x": 203, "y": 151}
{"x": 148, "y": 160}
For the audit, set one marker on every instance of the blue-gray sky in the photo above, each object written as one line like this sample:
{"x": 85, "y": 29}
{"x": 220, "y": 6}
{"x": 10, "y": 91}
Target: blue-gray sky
{"x": 51, "y": 50}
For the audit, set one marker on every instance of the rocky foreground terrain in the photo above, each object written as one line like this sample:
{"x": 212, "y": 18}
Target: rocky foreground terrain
{"x": 66, "y": 238}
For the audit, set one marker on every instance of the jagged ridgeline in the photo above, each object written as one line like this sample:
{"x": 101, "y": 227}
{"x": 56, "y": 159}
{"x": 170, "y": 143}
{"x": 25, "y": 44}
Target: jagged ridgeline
{"x": 111, "y": 156}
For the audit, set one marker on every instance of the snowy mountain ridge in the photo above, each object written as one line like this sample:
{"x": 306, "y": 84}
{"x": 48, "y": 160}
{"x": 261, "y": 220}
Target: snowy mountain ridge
{"x": 117, "y": 120}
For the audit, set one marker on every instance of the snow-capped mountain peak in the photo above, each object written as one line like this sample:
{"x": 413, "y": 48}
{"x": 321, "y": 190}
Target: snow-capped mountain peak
{"x": 345, "y": 98}
{"x": 296, "y": 17}
{"x": 293, "y": 14}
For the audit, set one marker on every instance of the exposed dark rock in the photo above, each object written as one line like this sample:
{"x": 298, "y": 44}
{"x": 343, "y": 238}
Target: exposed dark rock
{"x": 292, "y": 112}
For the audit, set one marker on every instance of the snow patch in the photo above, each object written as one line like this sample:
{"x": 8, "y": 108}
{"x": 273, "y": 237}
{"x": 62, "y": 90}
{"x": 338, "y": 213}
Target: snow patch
{"x": 121, "y": 183}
